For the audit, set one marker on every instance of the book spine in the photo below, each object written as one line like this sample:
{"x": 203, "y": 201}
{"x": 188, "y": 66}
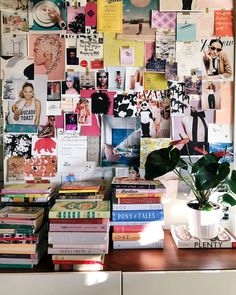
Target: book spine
{"x": 78, "y": 238}
{"x": 146, "y": 195}
{"x": 132, "y": 223}
{"x": 137, "y": 245}
{"x": 133, "y": 186}
{"x": 17, "y": 222}
{"x": 136, "y": 215}
{"x": 25, "y": 191}
{"x": 77, "y": 251}
{"x": 79, "y": 214}
{"x": 77, "y": 194}
{"x": 79, "y": 221}
{"x": 139, "y": 191}
{"x": 126, "y": 236}
{"x": 78, "y": 191}
{"x": 36, "y": 196}
{"x": 79, "y": 227}
{"x": 139, "y": 200}
{"x": 116, "y": 207}
{"x": 130, "y": 228}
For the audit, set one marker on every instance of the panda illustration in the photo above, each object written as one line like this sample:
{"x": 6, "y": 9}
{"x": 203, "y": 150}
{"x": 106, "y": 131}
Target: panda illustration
{"x": 146, "y": 117}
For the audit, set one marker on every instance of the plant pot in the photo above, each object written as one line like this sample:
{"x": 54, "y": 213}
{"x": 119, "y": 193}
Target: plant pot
{"x": 203, "y": 224}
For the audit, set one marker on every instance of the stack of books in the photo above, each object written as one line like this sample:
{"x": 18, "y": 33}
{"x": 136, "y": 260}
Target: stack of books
{"x": 77, "y": 228}
{"x": 82, "y": 190}
{"x": 183, "y": 239}
{"x": 137, "y": 213}
{"x": 23, "y": 236}
{"x": 29, "y": 194}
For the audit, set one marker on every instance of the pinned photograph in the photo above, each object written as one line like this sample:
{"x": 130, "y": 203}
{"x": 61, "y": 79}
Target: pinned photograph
{"x": 9, "y": 90}
{"x": 71, "y": 122}
{"x": 126, "y": 56}
{"x": 83, "y": 109}
{"x": 71, "y": 86}
{"x": 211, "y": 95}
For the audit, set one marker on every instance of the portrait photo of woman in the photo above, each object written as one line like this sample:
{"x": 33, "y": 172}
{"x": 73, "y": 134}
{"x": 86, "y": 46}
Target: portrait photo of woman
{"x": 211, "y": 95}
{"x": 102, "y": 80}
{"x": 71, "y": 86}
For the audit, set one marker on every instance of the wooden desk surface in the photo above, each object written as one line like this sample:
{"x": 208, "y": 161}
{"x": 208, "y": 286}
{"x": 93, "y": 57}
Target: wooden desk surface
{"x": 168, "y": 259}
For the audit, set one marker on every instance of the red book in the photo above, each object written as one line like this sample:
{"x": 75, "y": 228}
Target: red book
{"x": 135, "y": 228}
{"x": 140, "y": 200}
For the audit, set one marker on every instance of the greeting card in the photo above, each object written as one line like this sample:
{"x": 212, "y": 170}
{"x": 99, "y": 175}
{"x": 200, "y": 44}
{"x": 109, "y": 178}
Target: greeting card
{"x": 163, "y": 20}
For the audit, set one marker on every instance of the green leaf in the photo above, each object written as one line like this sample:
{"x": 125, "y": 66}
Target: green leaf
{"x": 182, "y": 164}
{"x": 161, "y": 161}
{"x": 232, "y": 182}
{"x": 204, "y": 161}
{"x": 227, "y": 198}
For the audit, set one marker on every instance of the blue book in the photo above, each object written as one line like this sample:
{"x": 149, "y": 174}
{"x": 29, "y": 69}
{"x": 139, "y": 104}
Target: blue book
{"x": 138, "y": 215}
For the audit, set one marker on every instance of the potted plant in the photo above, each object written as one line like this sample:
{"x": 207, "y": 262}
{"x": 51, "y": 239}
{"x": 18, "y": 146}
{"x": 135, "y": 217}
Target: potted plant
{"x": 206, "y": 176}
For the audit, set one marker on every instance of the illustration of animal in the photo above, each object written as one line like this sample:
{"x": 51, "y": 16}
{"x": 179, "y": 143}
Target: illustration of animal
{"x": 46, "y": 144}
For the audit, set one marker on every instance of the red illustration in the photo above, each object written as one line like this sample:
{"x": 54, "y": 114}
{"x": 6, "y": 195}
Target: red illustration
{"x": 46, "y": 144}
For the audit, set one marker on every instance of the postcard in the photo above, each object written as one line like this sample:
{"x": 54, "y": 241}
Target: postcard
{"x": 44, "y": 166}
{"x": 54, "y": 91}
{"x": 71, "y": 86}
{"x": 71, "y": 122}
{"x": 153, "y": 108}
{"x": 43, "y": 146}
{"x": 48, "y": 130}
{"x": 67, "y": 104}
{"x": 14, "y": 23}
{"x": 154, "y": 81}
{"x": 134, "y": 79}
{"x": 75, "y": 20}
{"x": 109, "y": 16}
{"x": 87, "y": 80}
{"x": 17, "y": 68}
{"x": 211, "y": 95}
{"x": 83, "y": 108}
{"x": 215, "y": 147}
{"x": 116, "y": 78}
{"x": 93, "y": 153}
{"x": 147, "y": 145}
{"x": 15, "y": 168}
{"x": 221, "y": 4}
{"x": 72, "y": 149}
{"x": 112, "y": 50}
{"x": 52, "y": 63}
{"x": 13, "y": 144}
{"x": 223, "y": 23}
{"x": 14, "y": 5}
{"x": 221, "y": 50}
{"x": 171, "y": 70}
{"x": 165, "y": 44}
{"x": 120, "y": 141}
{"x": 186, "y": 27}
{"x": 14, "y": 45}
{"x": 9, "y": 90}
{"x": 91, "y": 14}
{"x": 205, "y": 24}
{"x": 178, "y": 5}
{"x": 102, "y": 80}
{"x": 125, "y": 105}
{"x": 163, "y": 20}
{"x": 188, "y": 57}
{"x": 225, "y": 114}
{"x": 47, "y": 15}
{"x": 53, "y": 108}
{"x": 193, "y": 84}
{"x": 220, "y": 133}
{"x": 126, "y": 56}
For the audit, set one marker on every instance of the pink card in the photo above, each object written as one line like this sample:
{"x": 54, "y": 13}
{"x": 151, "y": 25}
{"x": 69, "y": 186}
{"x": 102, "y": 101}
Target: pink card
{"x": 226, "y": 4}
{"x": 91, "y": 14}
{"x": 163, "y": 20}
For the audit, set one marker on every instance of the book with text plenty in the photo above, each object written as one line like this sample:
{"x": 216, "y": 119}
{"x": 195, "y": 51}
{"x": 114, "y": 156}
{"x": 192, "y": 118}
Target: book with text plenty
{"x": 80, "y": 209}
{"x": 127, "y": 182}
{"x": 28, "y": 188}
{"x": 21, "y": 212}
{"x": 183, "y": 239}
{"x": 137, "y": 215}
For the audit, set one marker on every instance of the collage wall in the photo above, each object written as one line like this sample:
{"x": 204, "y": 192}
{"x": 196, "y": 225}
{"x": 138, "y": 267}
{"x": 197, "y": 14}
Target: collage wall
{"x": 88, "y": 86}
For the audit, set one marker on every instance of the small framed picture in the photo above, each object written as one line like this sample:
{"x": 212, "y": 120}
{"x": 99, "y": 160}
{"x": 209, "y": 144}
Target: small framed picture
{"x": 71, "y": 122}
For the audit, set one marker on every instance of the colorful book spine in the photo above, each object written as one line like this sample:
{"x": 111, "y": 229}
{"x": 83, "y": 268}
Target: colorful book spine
{"x": 79, "y": 227}
{"x": 143, "y": 195}
{"x": 138, "y": 191}
{"x": 80, "y": 220}
{"x": 136, "y": 215}
{"x": 79, "y": 214}
{"x": 137, "y": 245}
{"x": 117, "y": 207}
{"x": 135, "y": 236}
{"x": 139, "y": 200}
{"x": 79, "y": 238}
{"x": 133, "y": 186}
{"x": 134, "y": 228}
{"x": 77, "y": 251}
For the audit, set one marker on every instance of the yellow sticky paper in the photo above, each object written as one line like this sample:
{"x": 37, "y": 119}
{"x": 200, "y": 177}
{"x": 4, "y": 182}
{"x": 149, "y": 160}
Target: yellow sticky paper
{"x": 155, "y": 81}
{"x": 111, "y": 50}
{"x": 109, "y": 16}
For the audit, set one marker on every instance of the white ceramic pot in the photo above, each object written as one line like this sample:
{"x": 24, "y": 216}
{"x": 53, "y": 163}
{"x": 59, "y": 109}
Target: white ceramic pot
{"x": 203, "y": 224}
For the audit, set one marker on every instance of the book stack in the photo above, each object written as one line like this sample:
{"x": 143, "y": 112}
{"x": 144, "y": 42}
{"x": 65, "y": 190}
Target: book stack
{"x": 82, "y": 190}
{"x": 23, "y": 236}
{"x": 29, "y": 194}
{"x": 137, "y": 213}
{"x": 183, "y": 239}
{"x": 77, "y": 228}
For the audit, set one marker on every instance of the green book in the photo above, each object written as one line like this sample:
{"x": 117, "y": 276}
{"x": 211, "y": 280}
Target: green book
{"x": 80, "y": 209}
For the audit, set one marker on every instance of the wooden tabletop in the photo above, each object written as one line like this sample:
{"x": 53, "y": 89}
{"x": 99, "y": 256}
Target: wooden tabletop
{"x": 168, "y": 259}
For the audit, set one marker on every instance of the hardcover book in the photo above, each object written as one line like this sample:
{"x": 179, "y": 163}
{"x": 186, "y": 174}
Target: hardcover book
{"x": 80, "y": 209}
{"x": 183, "y": 239}
{"x": 127, "y": 207}
{"x": 129, "y": 182}
{"x": 21, "y": 212}
{"x": 137, "y": 215}
{"x": 28, "y": 188}
{"x": 138, "y": 245}
{"x": 77, "y": 185}
{"x": 139, "y": 200}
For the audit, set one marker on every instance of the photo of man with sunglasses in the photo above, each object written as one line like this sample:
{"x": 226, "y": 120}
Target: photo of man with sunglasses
{"x": 216, "y": 61}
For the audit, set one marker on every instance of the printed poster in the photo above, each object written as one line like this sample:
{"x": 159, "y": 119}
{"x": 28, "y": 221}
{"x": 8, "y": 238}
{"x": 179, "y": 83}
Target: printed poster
{"x": 224, "y": 23}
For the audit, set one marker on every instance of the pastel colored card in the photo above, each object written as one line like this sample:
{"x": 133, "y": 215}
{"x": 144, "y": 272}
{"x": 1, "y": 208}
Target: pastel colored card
{"x": 220, "y": 133}
{"x": 109, "y": 16}
{"x": 205, "y": 24}
{"x": 225, "y": 114}
{"x": 54, "y": 45}
{"x": 43, "y": 146}
{"x": 163, "y": 20}
{"x": 223, "y": 4}
{"x": 186, "y": 27}
{"x": 126, "y": 56}
{"x": 178, "y": 5}
{"x": 137, "y": 20}
{"x": 91, "y": 14}
{"x": 134, "y": 79}
{"x": 154, "y": 81}
{"x": 147, "y": 145}
{"x": 53, "y": 108}
{"x": 224, "y": 23}
{"x": 165, "y": 44}
{"x": 13, "y": 5}
{"x": 116, "y": 78}
{"x": 112, "y": 50}
{"x": 44, "y": 166}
